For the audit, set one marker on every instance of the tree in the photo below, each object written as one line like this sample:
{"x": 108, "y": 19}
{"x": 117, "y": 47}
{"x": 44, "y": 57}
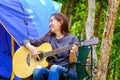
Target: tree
{"x": 89, "y": 27}
{"x": 97, "y": 18}
{"x": 107, "y": 39}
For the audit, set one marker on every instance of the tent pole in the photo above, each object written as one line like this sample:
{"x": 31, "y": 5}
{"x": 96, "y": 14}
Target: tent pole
{"x": 12, "y": 46}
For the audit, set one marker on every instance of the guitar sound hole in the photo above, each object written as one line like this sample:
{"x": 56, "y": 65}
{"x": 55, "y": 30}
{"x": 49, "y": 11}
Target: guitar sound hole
{"x": 37, "y": 59}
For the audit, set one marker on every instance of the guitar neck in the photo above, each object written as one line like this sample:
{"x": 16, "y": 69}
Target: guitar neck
{"x": 93, "y": 41}
{"x": 57, "y": 51}
{"x": 62, "y": 49}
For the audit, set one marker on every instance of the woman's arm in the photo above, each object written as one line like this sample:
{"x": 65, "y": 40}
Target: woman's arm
{"x": 30, "y": 45}
{"x": 33, "y": 41}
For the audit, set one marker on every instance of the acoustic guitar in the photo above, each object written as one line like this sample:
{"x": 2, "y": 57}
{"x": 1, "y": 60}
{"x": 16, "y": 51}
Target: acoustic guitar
{"x": 24, "y": 64}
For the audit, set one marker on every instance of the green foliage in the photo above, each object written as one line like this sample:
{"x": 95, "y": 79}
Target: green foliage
{"x": 78, "y": 19}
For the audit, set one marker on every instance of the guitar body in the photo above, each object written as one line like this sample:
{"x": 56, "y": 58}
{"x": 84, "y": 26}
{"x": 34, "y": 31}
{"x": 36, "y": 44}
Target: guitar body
{"x": 20, "y": 66}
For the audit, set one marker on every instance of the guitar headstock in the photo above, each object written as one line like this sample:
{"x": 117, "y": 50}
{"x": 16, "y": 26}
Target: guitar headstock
{"x": 93, "y": 41}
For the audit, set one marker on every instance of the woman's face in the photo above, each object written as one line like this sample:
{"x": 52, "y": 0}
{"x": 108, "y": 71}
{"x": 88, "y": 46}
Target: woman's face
{"x": 55, "y": 25}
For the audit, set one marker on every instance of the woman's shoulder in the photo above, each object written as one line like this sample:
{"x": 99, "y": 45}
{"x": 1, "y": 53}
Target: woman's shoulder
{"x": 72, "y": 35}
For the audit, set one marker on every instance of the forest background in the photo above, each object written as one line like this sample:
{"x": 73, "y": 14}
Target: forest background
{"x": 97, "y": 18}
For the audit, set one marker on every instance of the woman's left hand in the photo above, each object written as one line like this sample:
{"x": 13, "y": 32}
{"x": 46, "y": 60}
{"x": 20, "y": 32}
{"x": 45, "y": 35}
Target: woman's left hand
{"x": 73, "y": 52}
{"x": 74, "y": 48}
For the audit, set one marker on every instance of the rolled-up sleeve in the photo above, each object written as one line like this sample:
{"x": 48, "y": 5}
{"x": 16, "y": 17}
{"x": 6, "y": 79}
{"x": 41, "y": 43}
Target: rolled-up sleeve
{"x": 25, "y": 42}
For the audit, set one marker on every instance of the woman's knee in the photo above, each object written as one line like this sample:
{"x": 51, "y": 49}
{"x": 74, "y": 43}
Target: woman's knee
{"x": 54, "y": 68}
{"x": 37, "y": 72}
{"x": 57, "y": 68}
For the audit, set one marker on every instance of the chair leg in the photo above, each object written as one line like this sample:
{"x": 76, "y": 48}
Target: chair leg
{"x": 91, "y": 62}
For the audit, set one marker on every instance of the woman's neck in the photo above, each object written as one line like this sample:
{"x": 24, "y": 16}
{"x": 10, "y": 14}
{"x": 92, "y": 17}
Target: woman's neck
{"x": 59, "y": 35}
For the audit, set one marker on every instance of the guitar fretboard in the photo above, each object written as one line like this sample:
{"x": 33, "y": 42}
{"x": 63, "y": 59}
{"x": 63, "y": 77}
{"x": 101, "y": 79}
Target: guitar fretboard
{"x": 65, "y": 48}
{"x": 57, "y": 51}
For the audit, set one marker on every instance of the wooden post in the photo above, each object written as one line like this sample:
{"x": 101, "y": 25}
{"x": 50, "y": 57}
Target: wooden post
{"x": 12, "y": 46}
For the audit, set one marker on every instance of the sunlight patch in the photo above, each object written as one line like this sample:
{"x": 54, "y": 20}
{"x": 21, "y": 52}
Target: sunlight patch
{"x": 43, "y": 2}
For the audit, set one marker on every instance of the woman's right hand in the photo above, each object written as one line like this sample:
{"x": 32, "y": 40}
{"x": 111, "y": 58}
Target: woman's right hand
{"x": 33, "y": 51}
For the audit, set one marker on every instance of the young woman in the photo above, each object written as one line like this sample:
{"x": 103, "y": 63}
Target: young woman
{"x": 58, "y": 36}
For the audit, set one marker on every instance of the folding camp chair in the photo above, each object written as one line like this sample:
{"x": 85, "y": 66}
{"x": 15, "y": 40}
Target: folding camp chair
{"x": 81, "y": 64}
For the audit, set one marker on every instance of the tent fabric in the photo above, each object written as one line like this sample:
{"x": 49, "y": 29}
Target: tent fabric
{"x": 21, "y": 19}
{"x": 5, "y": 53}
{"x": 43, "y": 9}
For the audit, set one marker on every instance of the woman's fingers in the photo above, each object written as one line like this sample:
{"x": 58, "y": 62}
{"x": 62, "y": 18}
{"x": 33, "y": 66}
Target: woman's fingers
{"x": 35, "y": 56}
{"x": 74, "y": 48}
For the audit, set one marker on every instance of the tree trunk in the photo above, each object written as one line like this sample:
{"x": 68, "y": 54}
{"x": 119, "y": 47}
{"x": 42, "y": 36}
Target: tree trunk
{"x": 107, "y": 40}
{"x": 97, "y": 18}
{"x": 90, "y": 20}
{"x": 89, "y": 26}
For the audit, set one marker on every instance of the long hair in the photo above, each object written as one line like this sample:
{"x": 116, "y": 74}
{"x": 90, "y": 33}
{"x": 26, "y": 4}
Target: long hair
{"x": 65, "y": 24}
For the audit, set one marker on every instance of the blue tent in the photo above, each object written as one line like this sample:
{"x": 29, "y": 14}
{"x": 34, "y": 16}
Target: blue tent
{"x": 20, "y": 19}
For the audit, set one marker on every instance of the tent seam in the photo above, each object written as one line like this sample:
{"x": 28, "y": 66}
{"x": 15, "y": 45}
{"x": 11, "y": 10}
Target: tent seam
{"x": 9, "y": 33}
